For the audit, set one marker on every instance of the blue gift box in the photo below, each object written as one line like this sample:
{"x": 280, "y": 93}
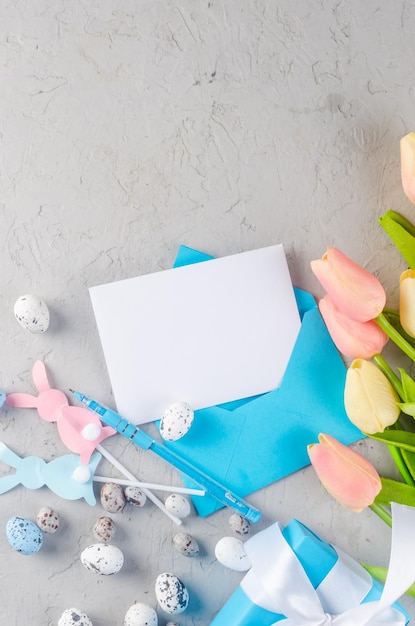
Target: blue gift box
{"x": 317, "y": 558}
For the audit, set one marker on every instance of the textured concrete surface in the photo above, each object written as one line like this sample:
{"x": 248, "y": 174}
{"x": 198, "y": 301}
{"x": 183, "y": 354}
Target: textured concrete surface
{"x": 128, "y": 128}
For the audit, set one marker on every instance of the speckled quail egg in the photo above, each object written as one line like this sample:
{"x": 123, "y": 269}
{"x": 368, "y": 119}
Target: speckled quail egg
{"x": 74, "y": 617}
{"x": 134, "y": 495}
{"x": 178, "y": 505}
{"x": 112, "y": 497}
{"x": 32, "y": 313}
{"x": 23, "y": 535}
{"x": 47, "y": 520}
{"x": 186, "y": 544}
{"x": 140, "y": 615}
{"x": 104, "y": 529}
{"x": 103, "y": 559}
{"x": 171, "y": 593}
{"x": 230, "y": 552}
{"x": 239, "y": 524}
{"x": 176, "y": 421}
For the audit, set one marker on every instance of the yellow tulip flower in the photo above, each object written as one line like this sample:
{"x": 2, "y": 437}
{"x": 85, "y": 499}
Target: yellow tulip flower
{"x": 370, "y": 401}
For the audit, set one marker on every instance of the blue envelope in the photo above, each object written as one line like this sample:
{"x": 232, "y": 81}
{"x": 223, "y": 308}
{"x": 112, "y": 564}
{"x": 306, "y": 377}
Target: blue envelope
{"x": 250, "y": 443}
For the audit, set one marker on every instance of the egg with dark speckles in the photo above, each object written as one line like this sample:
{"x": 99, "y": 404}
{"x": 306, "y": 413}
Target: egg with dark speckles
{"x": 23, "y": 535}
{"x": 176, "y": 421}
{"x": 47, "y": 520}
{"x": 178, "y": 505}
{"x": 140, "y": 615}
{"x": 186, "y": 544}
{"x": 112, "y": 497}
{"x": 104, "y": 529}
{"x": 74, "y": 617}
{"x": 32, "y": 313}
{"x": 134, "y": 495}
{"x": 171, "y": 593}
{"x": 102, "y": 559}
{"x": 239, "y": 524}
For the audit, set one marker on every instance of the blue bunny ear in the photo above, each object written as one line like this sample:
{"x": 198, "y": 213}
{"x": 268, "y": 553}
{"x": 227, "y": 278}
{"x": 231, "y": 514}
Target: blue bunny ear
{"x": 8, "y": 482}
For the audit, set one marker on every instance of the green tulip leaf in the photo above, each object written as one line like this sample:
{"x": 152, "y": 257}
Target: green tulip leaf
{"x": 407, "y": 407}
{"x": 402, "y": 233}
{"x": 399, "y": 438}
{"x": 394, "y": 491}
{"x": 408, "y": 385}
{"x": 409, "y": 460}
{"x": 380, "y": 573}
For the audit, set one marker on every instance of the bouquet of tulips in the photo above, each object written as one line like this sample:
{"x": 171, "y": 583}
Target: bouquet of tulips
{"x": 377, "y": 398}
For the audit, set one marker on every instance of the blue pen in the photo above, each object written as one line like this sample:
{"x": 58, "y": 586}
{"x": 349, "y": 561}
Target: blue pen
{"x": 143, "y": 440}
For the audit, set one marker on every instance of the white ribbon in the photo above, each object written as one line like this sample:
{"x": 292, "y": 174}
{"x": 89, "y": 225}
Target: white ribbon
{"x": 278, "y": 583}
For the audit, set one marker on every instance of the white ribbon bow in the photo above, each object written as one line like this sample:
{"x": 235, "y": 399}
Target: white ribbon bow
{"x": 278, "y": 583}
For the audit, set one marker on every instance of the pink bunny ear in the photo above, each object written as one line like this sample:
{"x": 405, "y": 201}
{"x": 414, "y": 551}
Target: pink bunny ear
{"x": 23, "y": 400}
{"x": 40, "y": 377}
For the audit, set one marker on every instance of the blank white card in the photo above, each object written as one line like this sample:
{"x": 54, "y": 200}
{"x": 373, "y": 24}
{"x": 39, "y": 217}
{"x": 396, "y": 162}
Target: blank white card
{"x": 205, "y": 333}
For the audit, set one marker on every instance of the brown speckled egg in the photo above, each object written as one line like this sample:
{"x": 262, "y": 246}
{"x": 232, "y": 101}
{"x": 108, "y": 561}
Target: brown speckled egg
{"x": 134, "y": 495}
{"x": 104, "y": 529}
{"x": 47, "y": 520}
{"x": 186, "y": 544}
{"x": 112, "y": 497}
{"x": 239, "y": 524}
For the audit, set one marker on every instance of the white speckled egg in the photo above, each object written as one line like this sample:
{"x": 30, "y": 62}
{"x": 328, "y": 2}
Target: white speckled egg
{"x": 134, "y": 495}
{"x": 112, "y": 497}
{"x": 74, "y": 617}
{"x": 176, "y": 421}
{"x": 140, "y": 615}
{"x": 239, "y": 524}
{"x": 23, "y": 535}
{"x": 171, "y": 593}
{"x": 172, "y": 624}
{"x": 230, "y": 552}
{"x": 178, "y": 505}
{"x": 32, "y": 313}
{"x": 104, "y": 529}
{"x": 103, "y": 559}
{"x": 186, "y": 544}
{"x": 47, "y": 520}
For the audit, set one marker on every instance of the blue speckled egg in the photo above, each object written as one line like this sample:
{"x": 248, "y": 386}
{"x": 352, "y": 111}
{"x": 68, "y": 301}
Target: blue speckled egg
{"x": 23, "y": 535}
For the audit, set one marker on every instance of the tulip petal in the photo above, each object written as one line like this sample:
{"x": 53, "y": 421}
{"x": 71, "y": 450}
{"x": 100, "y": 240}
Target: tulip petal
{"x": 407, "y": 301}
{"x": 407, "y": 148}
{"x": 353, "y": 339}
{"x": 355, "y": 291}
{"x": 346, "y": 475}
{"x": 370, "y": 401}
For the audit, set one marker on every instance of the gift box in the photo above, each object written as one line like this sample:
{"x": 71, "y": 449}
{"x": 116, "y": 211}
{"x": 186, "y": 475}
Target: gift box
{"x": 296, "y": 578}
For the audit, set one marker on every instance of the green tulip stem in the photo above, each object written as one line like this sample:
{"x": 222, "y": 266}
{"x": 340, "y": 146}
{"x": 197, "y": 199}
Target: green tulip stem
{"x": 382, "y": 513}
{"x": 396, "y": 455}
{"x": 390, "y": 374}
{"x": 395, "y": 336}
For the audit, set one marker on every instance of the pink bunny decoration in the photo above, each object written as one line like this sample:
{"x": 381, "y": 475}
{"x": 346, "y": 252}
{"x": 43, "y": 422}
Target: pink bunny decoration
{"x": 79, "y": 429}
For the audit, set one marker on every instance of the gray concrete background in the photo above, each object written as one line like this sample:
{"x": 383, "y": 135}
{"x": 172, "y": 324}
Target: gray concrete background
{"x": 128, "y": 128}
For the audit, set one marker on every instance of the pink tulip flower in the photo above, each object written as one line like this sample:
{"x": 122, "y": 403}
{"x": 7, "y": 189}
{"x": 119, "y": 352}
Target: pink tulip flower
{"x": 354, "y": 290}
{"x": 348, "y": 476}
{"x": 353, "y": 339}
{"x": 407, "y": 145}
